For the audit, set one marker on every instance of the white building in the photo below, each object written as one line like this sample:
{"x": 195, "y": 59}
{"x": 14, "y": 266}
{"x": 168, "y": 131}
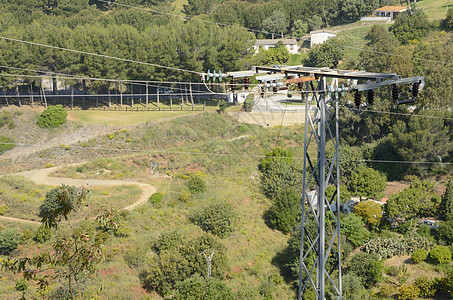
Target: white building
{"x": 320, "y": 36}
{"x": 390, "y": 11}
{"x": 265, "y": 44}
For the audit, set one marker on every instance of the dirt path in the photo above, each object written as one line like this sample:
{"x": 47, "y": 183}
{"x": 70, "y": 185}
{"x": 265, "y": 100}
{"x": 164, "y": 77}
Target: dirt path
{"x": 41, "y": 176}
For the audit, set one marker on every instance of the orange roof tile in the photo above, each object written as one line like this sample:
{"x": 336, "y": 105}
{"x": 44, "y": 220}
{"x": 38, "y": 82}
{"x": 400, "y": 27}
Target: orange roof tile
{"x": 392, "y": 8}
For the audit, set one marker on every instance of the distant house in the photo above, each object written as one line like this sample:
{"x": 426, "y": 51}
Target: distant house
{"x": 265, "y": 44}
{"x": 320, "y": 36}
{"x": 390, "y": 11}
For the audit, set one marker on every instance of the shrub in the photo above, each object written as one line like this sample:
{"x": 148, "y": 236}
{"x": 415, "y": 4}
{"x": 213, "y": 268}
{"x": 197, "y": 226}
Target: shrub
{"x": 196, "y": 184}
{"x": 285, "y": 210}
{"x": 388, "y": 247}
{"x": 3, "y": 209}
{"x": 6, "y": 143}
{"x": 425, "y": 286}
{"x": 408, "y": 292}
{"x": 156, "y": 198}
{"x": 197, "y": 287}
{"x": 419, "y": 255}
{"x": 217, "y": 218}
{"x": 440, "y": 254}
{"x": 52, "y": 117}
{"x": 179, "y": 258}
{"x": 222, "y": 105}
{"x": 26, "y": 235}
{"x": 9, "y": 240}
{"x": 43, "y": 234}
{"x": 367, "y": 266}
{"x": 135, "y": 256}
{"x": 6, "y": 118}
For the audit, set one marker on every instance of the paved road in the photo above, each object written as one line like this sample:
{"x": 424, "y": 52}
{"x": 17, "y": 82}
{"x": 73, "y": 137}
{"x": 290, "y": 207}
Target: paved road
{"x": 41, "y": 176}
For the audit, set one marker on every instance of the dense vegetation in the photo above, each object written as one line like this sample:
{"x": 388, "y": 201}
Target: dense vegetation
{"x": 243, "y": 212}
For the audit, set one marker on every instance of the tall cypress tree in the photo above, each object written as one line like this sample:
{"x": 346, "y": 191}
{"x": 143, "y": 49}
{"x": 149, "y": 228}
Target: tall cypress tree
{"x": 447, "y": 202}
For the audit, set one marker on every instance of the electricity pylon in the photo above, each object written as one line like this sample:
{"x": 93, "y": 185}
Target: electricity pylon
{"x": 320, "y": 246}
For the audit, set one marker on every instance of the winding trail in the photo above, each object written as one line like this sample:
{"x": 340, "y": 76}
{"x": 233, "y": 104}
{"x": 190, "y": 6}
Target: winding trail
{"x": 41, "y": 176}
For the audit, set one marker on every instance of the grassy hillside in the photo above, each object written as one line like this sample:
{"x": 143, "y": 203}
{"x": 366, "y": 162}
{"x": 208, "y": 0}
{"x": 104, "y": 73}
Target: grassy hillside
{"x": 190, "y": 141}
{"x": 435, "y": 9}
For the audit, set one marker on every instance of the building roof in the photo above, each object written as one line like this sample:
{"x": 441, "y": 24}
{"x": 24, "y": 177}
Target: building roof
{"x": 392, "y": 8}
{"x": 322, "y": 31}
{"x": 275, "y": 41}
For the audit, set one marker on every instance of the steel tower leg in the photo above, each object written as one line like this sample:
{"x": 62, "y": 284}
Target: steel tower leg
{"x": 320, "y": 259}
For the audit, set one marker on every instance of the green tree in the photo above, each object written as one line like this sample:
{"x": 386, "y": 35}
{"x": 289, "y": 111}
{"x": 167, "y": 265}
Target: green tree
{"x": 370, "y": 211}
{"x": 375, "y": 56}
{"x": 217, "y": 217}
{"x": 74, "y": 255}
{"x": 285, "y": 210}
{"x": 327, "y": 54}
{"x": 278, "y": 172}
{"x": 410, "y": 26}
{"x": 299, "y": 28}
{"x": 315, "y": 22}
{"x": 437, "y": 47}
{"x": 352, "y": 10}
{"x": 367, "y": 182}
{"x": 275, "y": 23}
{"x": 419, "y": 199}
{"x": 422, "y": 139}
{"x": 276, "y": 55}
{"x": 448, "y": 22}
{"x": 354, "y": 229}
{"x": 446, "y": 202}
{"x": 367, "y": 266}
{"x": 445, "y": 231}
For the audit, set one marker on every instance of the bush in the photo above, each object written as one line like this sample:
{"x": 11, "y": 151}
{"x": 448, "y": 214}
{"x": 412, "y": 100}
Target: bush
{"x": 217, "y": 218}
{"x": 367, "y": 266}
{"x": 197, "y": 287}
{"x": 419, "y": 255}
{"x": 425, "y": 286}
{"x": 156, "y": 198}
{"x": 6, "y": 143}
{"x": 286, "y": 210}
{"x": 196, "y": 184}
{"x": 440, "y": 254}
{"x": 177, "y": 259}
{"x": 222, "y": 105}
{"x": 52, "y": 117}
{"x": 6, "y": 118}
{"x": 408, "y": 292}
{"x": 43, "y": 234}
{"x": 135, "y": 256}
{"x": 9, "y": 240}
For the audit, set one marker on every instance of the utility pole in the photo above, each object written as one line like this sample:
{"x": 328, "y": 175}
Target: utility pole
{"x": 320, "y": 249}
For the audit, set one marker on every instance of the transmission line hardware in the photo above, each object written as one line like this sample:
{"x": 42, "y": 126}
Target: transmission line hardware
{"x": 320, "y": 254}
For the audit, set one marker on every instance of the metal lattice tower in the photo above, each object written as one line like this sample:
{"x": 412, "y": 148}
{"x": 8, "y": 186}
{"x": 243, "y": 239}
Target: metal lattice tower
{"x": 320, "y": 254}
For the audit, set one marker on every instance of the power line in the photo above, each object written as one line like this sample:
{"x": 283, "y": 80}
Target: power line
{"x": 403, "y": 114}
{"x": 100, "y": 55}
{"x": 231, "y": 155}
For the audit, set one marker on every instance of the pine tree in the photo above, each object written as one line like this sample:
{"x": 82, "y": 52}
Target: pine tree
{"x": 447, "y": 202}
